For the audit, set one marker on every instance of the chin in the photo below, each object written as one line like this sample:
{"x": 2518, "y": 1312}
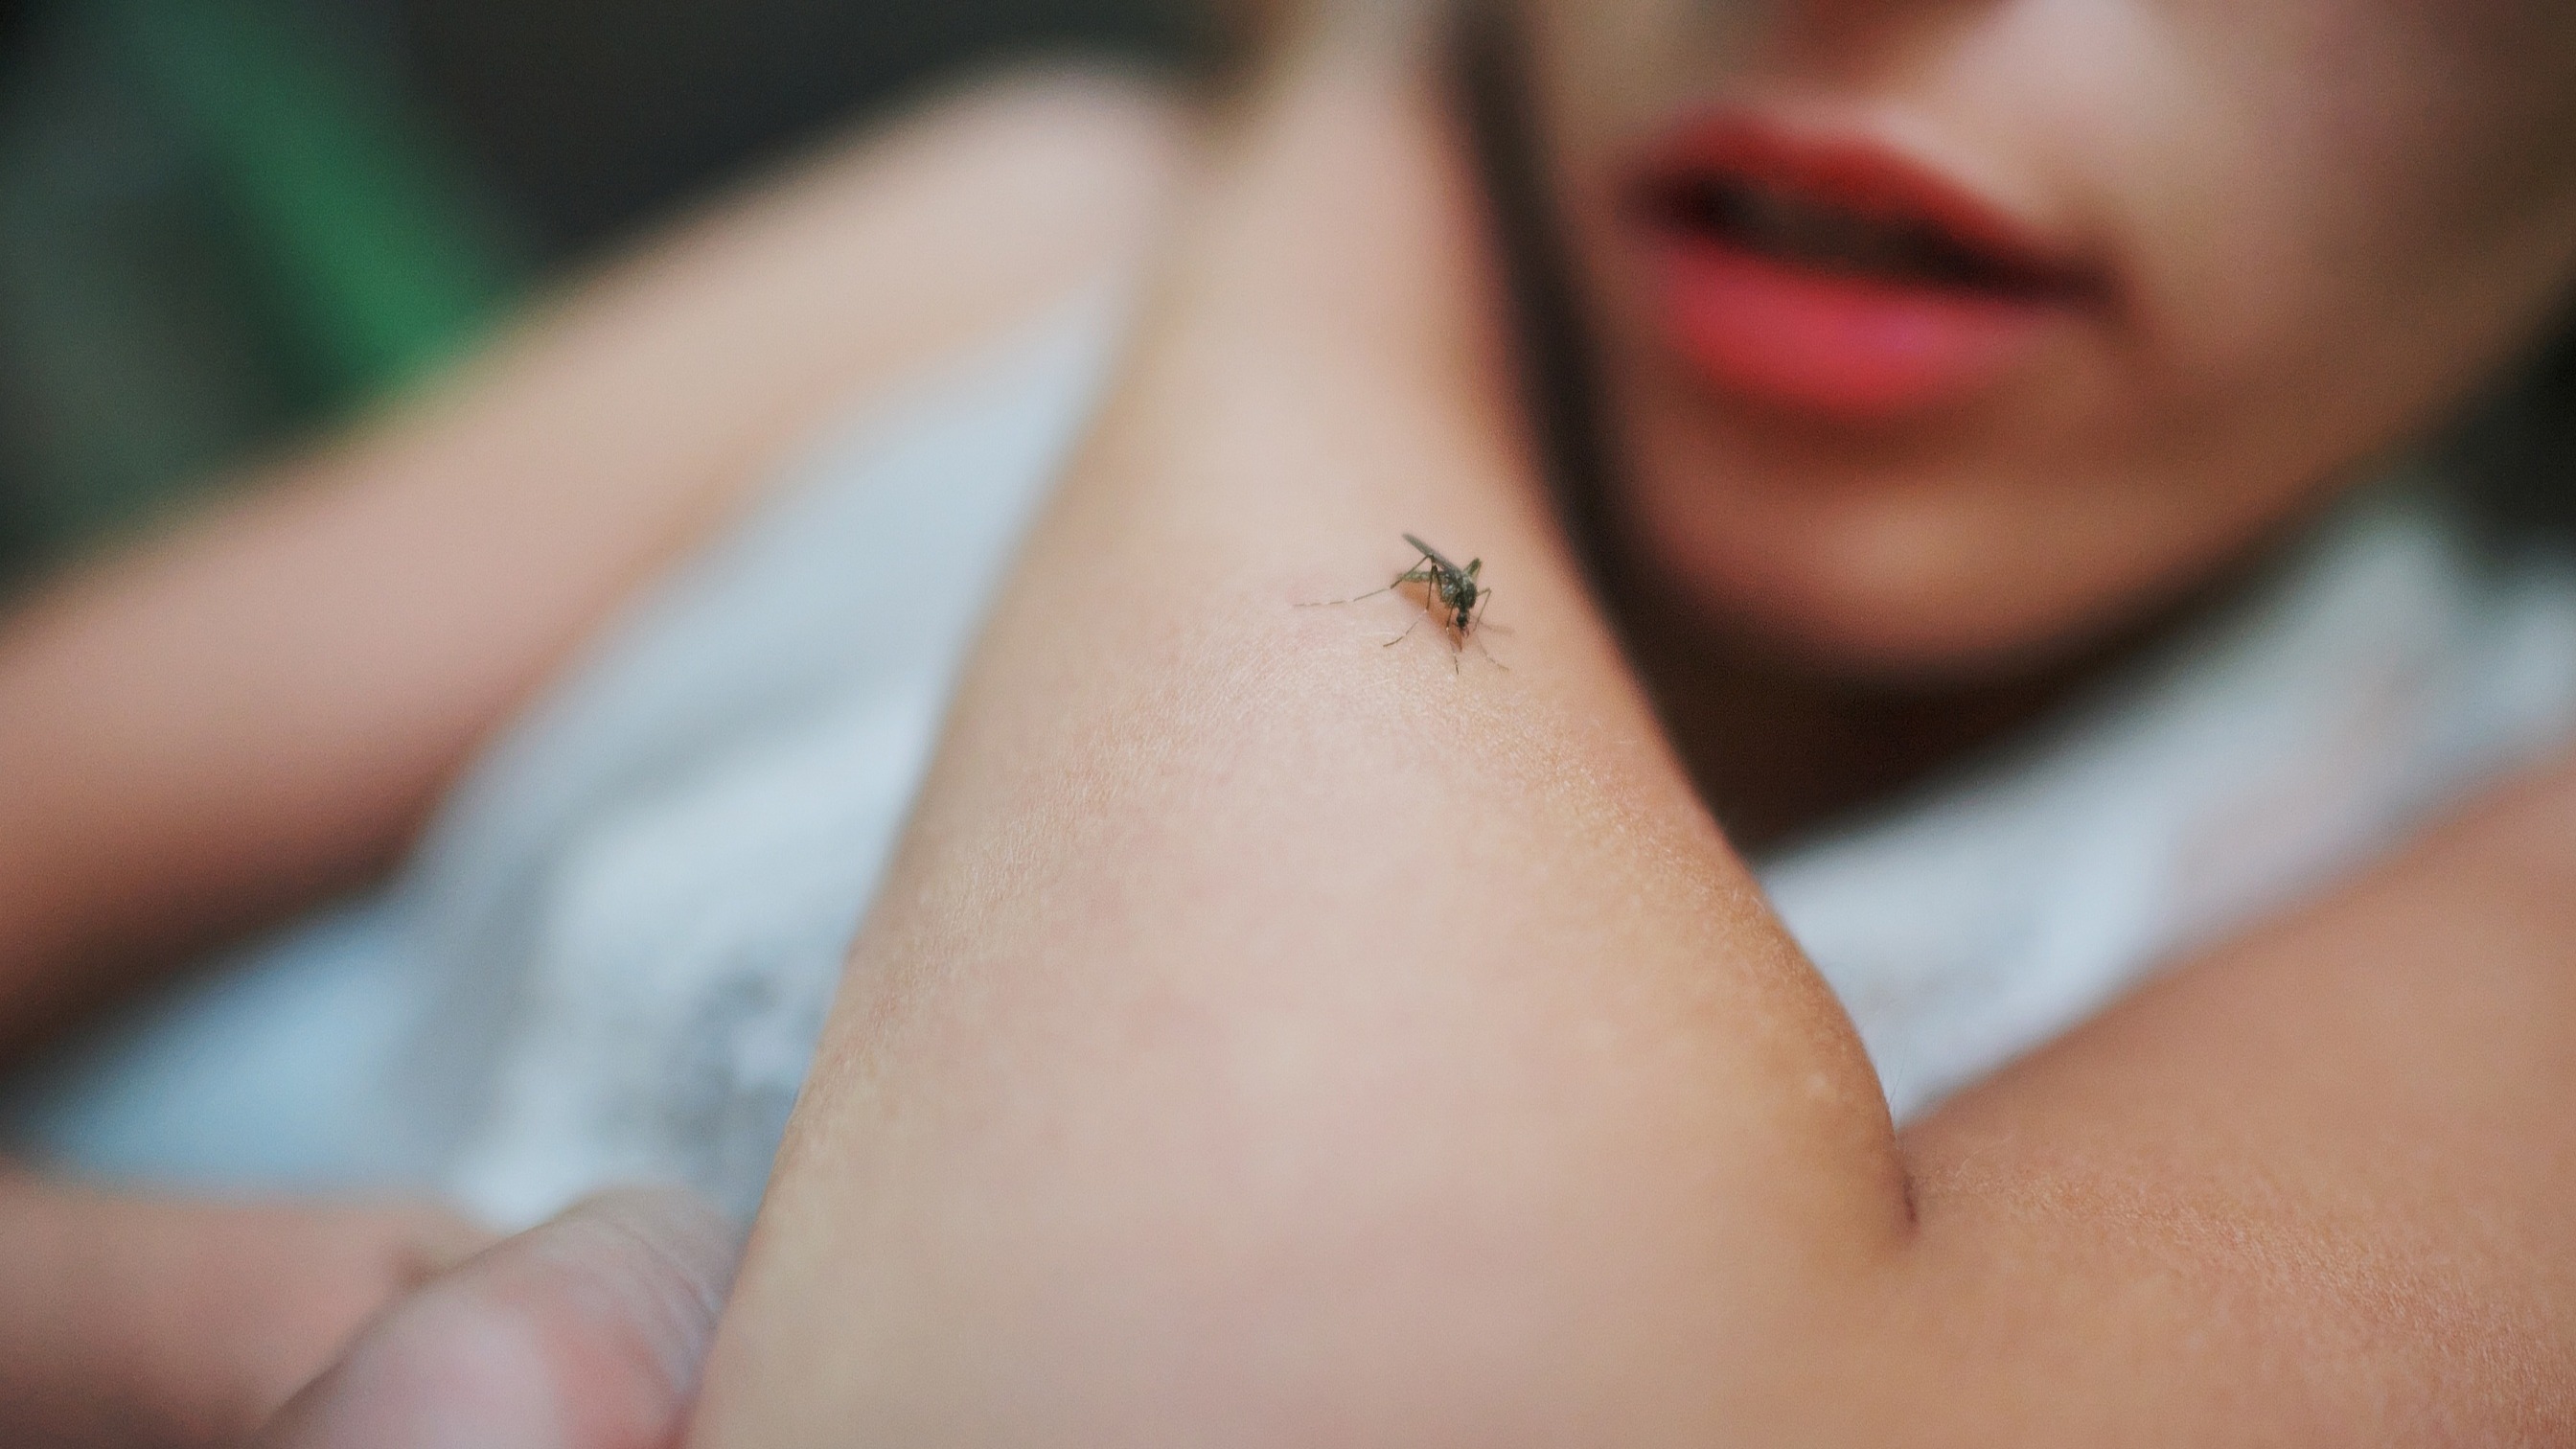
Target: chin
{"x": 1906, "y": 591}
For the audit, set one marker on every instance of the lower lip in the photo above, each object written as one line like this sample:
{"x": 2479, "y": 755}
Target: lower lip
{"x": 1831, "y": 345}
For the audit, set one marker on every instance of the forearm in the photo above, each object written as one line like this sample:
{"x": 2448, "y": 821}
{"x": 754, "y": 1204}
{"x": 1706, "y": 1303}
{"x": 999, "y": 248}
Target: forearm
{"x": 1271, "y": 1037}
{"x": 262, "y": 709}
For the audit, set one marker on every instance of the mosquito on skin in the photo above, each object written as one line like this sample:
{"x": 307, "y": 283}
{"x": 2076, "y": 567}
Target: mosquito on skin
{"x": 1450, "y": 594}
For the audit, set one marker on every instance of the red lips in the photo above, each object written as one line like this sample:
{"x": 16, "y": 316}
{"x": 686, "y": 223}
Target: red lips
{"x": 1837, "y": 278}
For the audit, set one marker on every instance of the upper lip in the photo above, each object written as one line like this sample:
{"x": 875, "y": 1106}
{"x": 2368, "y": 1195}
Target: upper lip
{"x": 1850, "y": 203}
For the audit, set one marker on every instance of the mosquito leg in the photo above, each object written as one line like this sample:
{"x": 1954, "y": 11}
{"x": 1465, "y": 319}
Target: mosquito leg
{"x": 1353, "y": 599}
{"x": 1409, "y": 628}
{"x": 1416, "y": 576}
{"x": 1476, "y": 632}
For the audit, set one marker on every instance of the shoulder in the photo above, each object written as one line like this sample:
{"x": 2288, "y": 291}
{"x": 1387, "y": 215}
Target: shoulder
{"x": 885, "y": 249}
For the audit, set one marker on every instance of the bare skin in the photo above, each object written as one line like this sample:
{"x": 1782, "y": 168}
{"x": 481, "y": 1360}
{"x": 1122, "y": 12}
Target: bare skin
{"x": 132, "y": 1320}
{"x": 209, "y": 733}
{"x": 1435, "y": 1075}
{"x": 1268, "y": 1038}
{"x": 219, "y": 729}
{"x": 586, "y": 1333}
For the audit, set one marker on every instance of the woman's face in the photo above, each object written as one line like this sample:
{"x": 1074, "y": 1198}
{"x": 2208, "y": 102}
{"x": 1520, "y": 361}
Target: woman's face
{"x": 1943, "y": 333}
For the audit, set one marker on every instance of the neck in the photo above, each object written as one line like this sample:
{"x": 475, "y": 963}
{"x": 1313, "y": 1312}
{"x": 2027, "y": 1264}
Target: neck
{"x": 1777, "y": 751}
{"x": 1779, "y": 748}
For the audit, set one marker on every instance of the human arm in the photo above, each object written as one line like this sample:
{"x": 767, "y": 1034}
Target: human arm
{"x": 210, "y": 731}
{"x": 1266, "y": 1037}
{"x": 1245, "y": 991}
{"x": 219, "y": 727}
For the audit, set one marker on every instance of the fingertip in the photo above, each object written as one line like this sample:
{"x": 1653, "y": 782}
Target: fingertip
{"x": 687, "y": 1232}
{"x": 440, "y": 1242}
{"x": 585, "y": 1333}
{"x": 651, "y": 1265}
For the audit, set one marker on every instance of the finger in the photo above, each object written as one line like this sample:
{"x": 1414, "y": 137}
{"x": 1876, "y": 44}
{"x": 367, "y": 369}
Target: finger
{"x": 129, "y": 1318}
{"x": 585, "y": 1333}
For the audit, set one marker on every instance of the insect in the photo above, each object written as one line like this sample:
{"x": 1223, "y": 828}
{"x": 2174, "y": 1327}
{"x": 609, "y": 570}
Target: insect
{"x": 1450, "y": 594}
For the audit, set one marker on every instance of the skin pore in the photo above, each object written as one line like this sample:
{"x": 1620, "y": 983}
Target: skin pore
{"x": 1268, "y": 1038}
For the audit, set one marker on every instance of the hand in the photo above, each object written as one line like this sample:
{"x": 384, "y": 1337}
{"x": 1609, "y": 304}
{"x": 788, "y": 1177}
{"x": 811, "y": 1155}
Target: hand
{"x": 135, "y": 1320}
{"x": 586, "y": 1333}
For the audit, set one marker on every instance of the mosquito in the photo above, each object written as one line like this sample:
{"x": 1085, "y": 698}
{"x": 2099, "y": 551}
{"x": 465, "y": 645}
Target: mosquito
{"x": 1450, "y": 594}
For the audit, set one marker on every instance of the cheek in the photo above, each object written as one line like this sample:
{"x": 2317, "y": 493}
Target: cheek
{"x": 2334, "y": 216}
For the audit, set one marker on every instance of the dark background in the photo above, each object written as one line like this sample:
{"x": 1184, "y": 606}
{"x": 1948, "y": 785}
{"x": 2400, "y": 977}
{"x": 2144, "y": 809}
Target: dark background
{"x": 673, "y": 92}
{"x": 224, "y": 221}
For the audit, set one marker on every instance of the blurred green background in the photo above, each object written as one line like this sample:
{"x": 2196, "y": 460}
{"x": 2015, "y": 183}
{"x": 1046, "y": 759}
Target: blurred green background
{"x": 225, "y": 221}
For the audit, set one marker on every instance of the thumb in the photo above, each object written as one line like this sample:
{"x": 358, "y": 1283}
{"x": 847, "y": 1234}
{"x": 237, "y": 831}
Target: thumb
{"x": 585, "y": 1333}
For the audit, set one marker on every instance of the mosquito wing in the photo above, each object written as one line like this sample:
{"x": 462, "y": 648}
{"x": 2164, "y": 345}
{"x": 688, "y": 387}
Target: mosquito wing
{"x": 1433, "y": 554}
